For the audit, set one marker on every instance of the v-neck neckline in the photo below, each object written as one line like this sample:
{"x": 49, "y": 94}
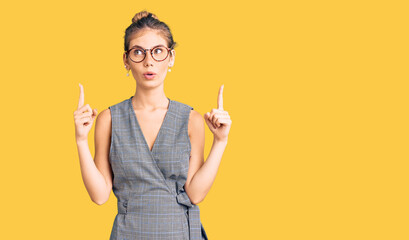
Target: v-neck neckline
{"x": 140, "y": 129}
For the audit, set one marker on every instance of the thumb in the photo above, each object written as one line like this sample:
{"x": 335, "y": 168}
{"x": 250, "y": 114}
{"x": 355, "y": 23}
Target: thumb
{"x": 94, "y": 113}
{"x": 208, "y": 122}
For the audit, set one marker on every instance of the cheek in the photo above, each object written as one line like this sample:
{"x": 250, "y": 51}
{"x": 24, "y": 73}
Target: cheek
{"x": 164, "y": 68}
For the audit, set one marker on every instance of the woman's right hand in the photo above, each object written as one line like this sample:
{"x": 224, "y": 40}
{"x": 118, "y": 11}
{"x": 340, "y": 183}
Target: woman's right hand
{"x": 83, "y": 117}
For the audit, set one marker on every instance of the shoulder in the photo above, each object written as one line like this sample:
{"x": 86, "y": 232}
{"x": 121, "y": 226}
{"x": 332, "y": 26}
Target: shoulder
{"x": 186, "y": 109}
{"x": 196, "y": 124}
{"x": 103, "y": 120}
{"x": 181, "y": 105}
{"x": 105, "y": 114}
{"x": 195, "y": 116}
{"x": 119, "y": 105}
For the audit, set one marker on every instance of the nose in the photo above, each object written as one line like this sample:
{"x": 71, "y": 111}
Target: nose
{"x": 148, "y": 57}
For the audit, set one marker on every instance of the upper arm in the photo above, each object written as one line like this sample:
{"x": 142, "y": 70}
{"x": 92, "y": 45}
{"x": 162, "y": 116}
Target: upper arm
{"x": 196, "y": 129}
{"x": 102, "y": 146}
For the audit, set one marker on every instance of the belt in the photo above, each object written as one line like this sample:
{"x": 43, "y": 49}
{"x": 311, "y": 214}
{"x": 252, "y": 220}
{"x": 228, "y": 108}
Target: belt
{"x": 195, "y": 226}
{"x": 193, "y": 211}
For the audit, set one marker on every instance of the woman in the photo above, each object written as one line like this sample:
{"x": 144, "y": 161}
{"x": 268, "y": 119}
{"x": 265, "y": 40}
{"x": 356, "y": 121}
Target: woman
{"x": 149, "y": 148}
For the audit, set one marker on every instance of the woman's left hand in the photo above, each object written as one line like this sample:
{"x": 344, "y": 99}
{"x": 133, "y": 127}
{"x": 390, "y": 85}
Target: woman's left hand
{"x": 218, "y": 120}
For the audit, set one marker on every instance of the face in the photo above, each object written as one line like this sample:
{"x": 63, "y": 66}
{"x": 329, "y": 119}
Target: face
{"x": 147, "y": 39}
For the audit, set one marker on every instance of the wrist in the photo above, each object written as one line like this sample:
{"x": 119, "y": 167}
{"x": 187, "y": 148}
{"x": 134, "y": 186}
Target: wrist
{"x": 82, "y": 141}
{"x": 216, "y": 140}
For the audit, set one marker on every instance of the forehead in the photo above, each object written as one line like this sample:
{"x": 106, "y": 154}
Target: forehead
{"x": 147, "y": 38}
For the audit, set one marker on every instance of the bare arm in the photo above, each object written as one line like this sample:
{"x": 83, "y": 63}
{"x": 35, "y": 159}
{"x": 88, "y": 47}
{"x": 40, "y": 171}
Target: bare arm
{"x": 97, "y": 175}
{"x": 201, "y": 175}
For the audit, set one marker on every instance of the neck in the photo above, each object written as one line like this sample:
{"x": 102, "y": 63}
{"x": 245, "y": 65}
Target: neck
{"x": 149, "y": 100}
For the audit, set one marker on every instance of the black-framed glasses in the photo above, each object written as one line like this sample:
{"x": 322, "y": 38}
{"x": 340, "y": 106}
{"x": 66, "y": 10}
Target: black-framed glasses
{"x": 138, "y": 54}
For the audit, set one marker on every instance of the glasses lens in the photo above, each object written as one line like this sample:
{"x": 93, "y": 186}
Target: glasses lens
{"x": 160, "y": 53}
{"x": 136, "y": 54}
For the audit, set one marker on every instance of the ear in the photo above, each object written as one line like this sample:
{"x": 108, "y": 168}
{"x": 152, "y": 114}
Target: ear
{"x": 172, "y": 58}
{"x": 125, "y": 61}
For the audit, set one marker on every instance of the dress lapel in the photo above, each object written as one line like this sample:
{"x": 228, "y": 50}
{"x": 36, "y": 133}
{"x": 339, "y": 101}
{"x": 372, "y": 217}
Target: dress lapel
{"x": 157, "y": 140}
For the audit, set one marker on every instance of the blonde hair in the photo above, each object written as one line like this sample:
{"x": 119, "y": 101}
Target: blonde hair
{"x": 143, "y": 14}
{"x": 147, "y": 20}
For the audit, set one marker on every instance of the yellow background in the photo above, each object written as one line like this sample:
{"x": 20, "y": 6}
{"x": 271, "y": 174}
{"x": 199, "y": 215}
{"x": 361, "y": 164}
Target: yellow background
{"x": 317, "y": 92}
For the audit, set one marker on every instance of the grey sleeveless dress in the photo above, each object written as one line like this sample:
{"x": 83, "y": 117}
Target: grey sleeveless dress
{"x": 149, "y": 185}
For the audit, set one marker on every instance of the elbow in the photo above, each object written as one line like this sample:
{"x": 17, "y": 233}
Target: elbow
{"x": 194, "y": 198}
{"x": 197, "y": 201}
{"x": 100, "y": 200}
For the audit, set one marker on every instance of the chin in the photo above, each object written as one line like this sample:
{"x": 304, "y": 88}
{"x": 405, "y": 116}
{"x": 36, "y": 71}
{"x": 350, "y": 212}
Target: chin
{"x": 150, "y": 83}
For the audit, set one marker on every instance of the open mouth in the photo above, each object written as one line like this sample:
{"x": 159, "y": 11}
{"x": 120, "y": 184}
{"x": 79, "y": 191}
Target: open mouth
{"x": 149, "y": 75}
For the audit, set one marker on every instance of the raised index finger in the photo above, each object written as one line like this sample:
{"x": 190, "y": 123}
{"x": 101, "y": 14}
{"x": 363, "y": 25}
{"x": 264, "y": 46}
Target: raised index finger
{"x": 81, "y": 100}
{"x": 220, "y": 98}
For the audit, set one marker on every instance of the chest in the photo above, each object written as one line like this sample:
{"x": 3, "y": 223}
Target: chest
{"x": 150, "y": 124}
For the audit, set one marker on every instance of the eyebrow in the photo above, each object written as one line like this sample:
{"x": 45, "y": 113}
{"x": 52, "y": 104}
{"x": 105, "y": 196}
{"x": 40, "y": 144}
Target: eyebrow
{"x": 152, "y": 47}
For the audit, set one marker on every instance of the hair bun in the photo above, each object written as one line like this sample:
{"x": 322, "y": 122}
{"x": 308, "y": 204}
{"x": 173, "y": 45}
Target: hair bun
{"x": 143, "y": 14}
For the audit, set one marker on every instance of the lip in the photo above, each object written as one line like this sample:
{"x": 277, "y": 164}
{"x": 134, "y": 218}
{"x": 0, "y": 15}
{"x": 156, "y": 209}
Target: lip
{"x": 152, "y": 76}
{"x": 148, "y": 73}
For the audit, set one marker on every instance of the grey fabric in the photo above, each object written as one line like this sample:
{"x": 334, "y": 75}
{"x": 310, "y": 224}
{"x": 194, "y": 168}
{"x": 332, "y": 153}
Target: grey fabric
{"x": 149, "y": 185}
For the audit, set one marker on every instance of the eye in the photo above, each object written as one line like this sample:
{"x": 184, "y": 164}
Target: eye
{"x": 158, "y": 50}
{"x": 137, "y": 52}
